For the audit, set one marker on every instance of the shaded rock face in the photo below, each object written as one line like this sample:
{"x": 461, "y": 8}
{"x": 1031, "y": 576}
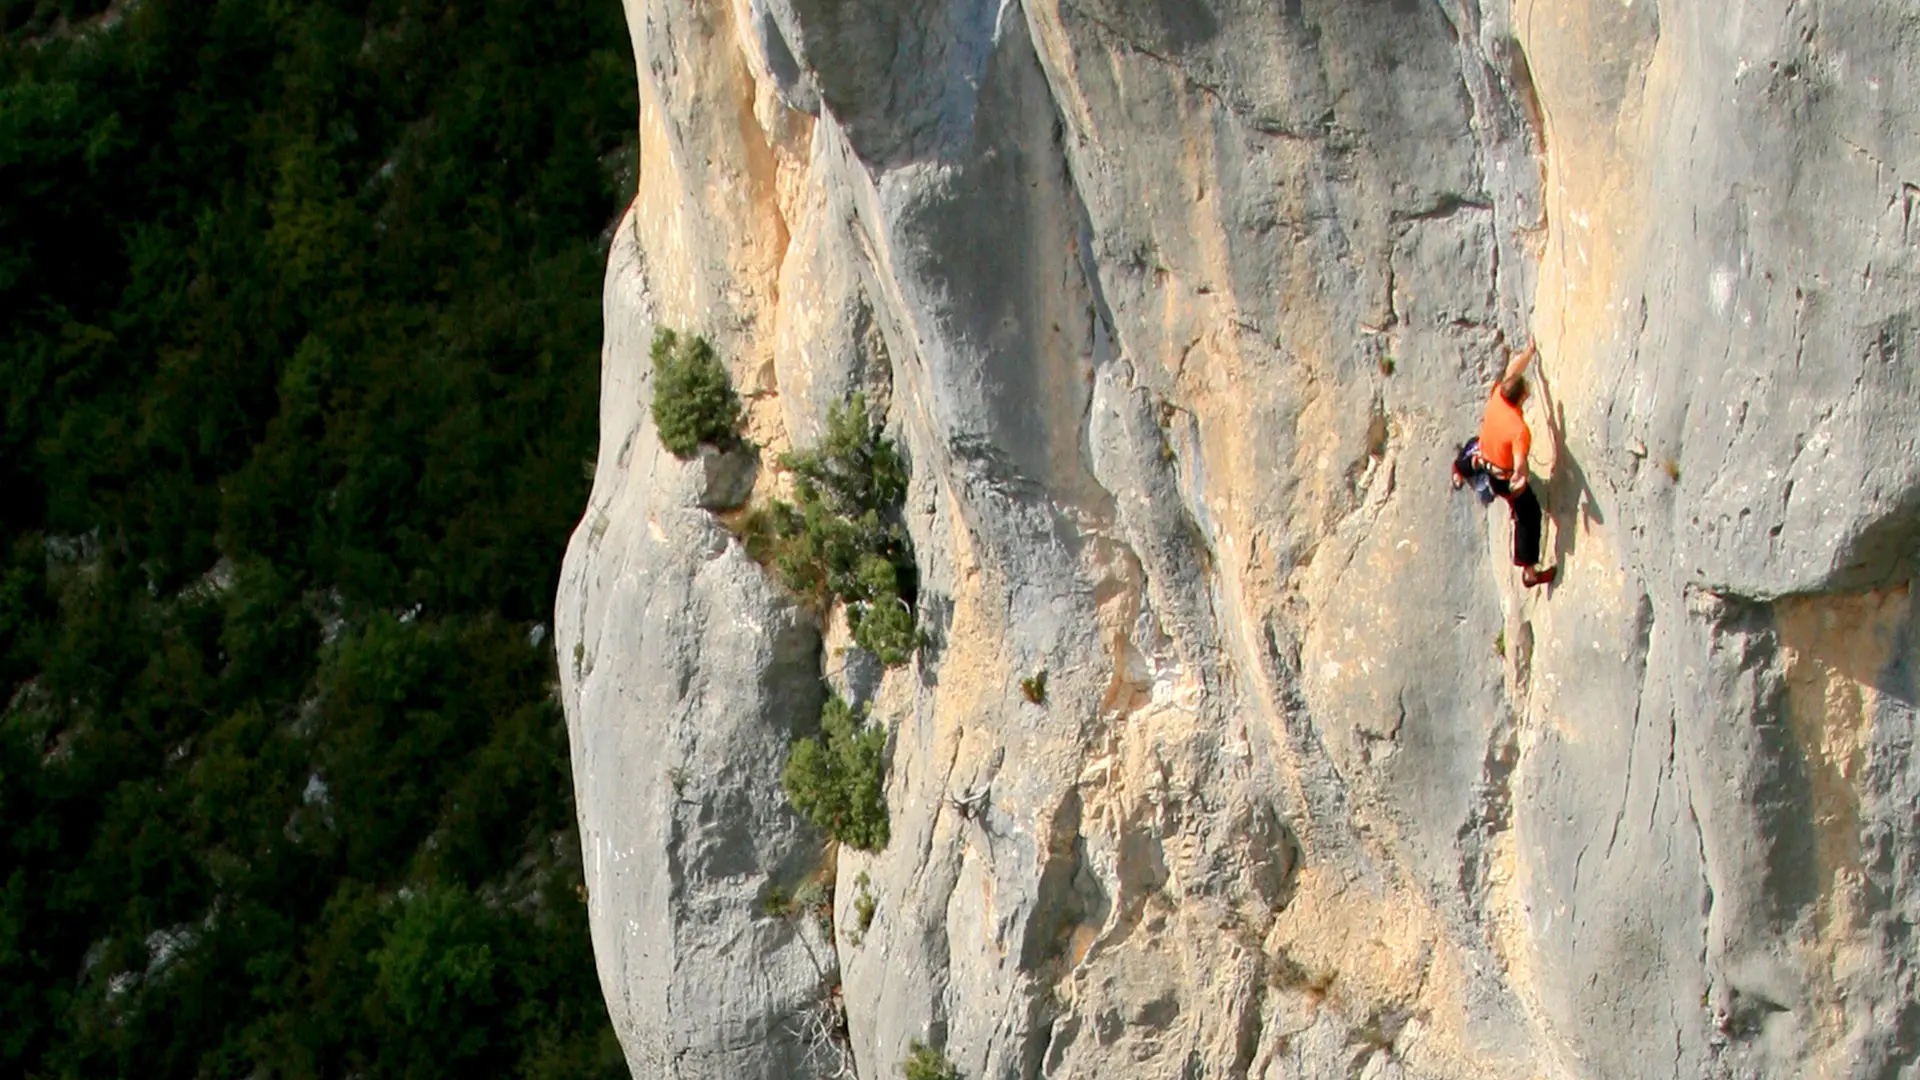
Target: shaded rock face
{"x": 1180, "y": 310}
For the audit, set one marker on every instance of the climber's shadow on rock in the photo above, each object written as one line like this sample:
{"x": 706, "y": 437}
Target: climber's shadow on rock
{"x": 1569, "y": 498}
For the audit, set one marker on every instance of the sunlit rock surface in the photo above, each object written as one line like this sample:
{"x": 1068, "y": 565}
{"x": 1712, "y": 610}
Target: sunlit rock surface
{"x": 1180, "y": 309}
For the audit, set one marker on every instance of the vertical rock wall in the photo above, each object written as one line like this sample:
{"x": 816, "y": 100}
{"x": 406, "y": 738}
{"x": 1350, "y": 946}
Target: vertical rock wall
{"x": 1180, "y": 309}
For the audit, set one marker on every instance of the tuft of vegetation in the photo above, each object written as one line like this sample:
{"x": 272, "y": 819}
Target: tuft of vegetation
{"x": 1034, "y": 687}
{"x": 1386, "y": 364}
{"x": 693, "y": 401}
{"x": 838, "y": 780}
{"x": 815, "y": 897}
{"x": 811, "y": 894}
{"x": 925, "y": 1063}
{"x": 864, "y": 907}
{"x": 1500, "y": 644}
{"x": 811, "y": 898}
{"x": 842, "y": 539}
{"x": 1286, "y": 973}
{"x": 1672, "y": 468}
{"x": 884, "y": 626}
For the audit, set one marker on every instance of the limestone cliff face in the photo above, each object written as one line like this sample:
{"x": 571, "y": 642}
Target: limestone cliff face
{"x": 1180, "y": 307}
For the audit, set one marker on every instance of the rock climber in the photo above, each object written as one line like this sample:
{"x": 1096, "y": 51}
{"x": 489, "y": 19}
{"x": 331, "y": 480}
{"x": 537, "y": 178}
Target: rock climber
{"x": 1496, "y": 463}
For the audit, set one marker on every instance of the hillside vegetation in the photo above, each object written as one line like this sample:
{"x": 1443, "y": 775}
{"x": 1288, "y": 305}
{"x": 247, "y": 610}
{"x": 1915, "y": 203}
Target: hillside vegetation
{"x": 299, "y": 375}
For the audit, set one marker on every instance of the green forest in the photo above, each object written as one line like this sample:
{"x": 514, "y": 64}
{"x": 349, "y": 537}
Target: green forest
{"x": 299, "y": 366}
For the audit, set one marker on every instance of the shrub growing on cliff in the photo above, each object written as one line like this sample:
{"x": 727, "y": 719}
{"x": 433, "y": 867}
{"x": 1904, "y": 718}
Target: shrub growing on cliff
{"x": 884, "y": 627}
{"x": 842, "y": 539}
{"x": 854, "y": 469}
{"x": 1034, "y": 687}
{"x": 925, "y": 1063}
{"x": 693, "y": 402}
{"x": 838, "y": 779}
{"x": 865, "y": 905}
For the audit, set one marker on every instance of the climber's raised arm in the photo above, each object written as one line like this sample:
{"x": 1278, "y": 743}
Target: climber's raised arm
{"x": 1517, "y": 363}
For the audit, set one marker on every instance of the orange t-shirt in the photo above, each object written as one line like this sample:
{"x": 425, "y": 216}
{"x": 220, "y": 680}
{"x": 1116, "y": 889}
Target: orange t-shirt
{"x": 1504, "y": 437}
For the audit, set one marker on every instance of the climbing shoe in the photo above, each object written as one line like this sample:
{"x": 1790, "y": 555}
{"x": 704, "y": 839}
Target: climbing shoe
{"x": 1531, "y": 577}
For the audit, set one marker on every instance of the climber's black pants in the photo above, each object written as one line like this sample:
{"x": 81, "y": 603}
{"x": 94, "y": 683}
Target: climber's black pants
{"x": 1525, "y": 507}
{"x": 1526, "y": 522}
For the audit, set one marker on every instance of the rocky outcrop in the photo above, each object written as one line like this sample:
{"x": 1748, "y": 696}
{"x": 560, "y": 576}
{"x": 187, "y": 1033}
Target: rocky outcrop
{"x": 1180, "y": 310}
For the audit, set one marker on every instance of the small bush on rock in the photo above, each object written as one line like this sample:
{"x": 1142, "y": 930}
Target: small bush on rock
{"x": 838, "y": 780}
{"x": 693, "y": 402}
{"x": 811, "y": 895}
{"x": 815, "y": 898}
{"x": 1034, "y": 688}
{"x": 925, "y": 1063}
{"x": 864, "y": 906}
{"x": 854, "y": 469}
{"x": 884, "y": 627}
{"x": 842, "y": 539}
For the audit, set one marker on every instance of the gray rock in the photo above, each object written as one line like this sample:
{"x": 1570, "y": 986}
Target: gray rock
{"x": 832, "y": 345}
{"x": 685, "y": 676}
{"x": 726, "y": 477}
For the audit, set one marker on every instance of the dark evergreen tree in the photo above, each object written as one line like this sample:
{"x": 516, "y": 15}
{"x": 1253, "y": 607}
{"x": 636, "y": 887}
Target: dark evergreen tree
{"x": 296, "y": 384}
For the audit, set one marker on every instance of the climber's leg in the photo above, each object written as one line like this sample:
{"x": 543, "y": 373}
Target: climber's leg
{"x": 1464, "y": 465}
{"x": 1526, "y": 527}
{"x": 1526, "y": 539}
